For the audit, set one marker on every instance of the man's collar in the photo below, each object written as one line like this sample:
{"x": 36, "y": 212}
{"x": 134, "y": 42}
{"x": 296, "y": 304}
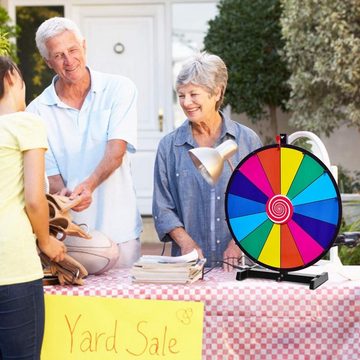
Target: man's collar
{"x": 98, "y": 83}
{"x": 50, "y": 97}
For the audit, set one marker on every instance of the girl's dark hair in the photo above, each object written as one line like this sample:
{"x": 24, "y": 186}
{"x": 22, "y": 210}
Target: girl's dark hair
{"x": 6, "y": 65}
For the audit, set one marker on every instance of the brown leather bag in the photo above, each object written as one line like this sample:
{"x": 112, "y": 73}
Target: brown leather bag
{"x": 68, "y": 271}
{"x": 60, "y": 219}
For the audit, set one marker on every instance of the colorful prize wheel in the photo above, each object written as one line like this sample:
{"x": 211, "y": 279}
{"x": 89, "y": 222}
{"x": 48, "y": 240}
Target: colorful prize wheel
{"x": 283, "y": 207}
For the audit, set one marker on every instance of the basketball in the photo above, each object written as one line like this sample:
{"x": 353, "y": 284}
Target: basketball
{"x": 98, "y": 254}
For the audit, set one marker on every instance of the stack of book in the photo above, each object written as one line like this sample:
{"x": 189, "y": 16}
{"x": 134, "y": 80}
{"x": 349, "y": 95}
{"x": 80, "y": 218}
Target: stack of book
{"x": 168, "y": 269}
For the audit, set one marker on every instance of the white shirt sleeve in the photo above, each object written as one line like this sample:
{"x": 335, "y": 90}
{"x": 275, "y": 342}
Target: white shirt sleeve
{"x": 123, "y": 117}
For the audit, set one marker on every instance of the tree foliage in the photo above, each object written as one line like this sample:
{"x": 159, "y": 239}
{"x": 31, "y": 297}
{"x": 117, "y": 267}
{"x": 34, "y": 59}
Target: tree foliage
{"x": 246, "y": 34}
{"x": 36, "y": 73}
{"x": 4, "y": 44}
{"x": 8, "y": 34}
{"x": 323, "y": 54}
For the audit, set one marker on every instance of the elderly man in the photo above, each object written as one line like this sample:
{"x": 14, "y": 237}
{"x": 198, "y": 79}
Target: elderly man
{"x": 91, "y": 122}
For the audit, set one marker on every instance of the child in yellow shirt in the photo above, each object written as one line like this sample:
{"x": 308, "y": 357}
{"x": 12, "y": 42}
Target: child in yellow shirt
{"x": 23, "y": 220}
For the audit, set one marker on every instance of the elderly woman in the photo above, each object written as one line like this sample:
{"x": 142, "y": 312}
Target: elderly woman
{"x": 187, "y": 210}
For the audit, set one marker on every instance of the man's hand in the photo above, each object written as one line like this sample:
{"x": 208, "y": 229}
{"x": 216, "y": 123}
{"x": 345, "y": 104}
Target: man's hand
{"x": 112, "y": 159}
{"x": 64, "y": 192}
{"x": 231, "y": 256}
{"x": 83, "y": 190}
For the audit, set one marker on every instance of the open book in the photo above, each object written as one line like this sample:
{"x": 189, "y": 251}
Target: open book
{"x": 168, "y": 269}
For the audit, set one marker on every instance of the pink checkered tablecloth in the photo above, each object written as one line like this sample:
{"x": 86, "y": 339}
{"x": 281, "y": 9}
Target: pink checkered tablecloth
{"x": 254, "y": 318}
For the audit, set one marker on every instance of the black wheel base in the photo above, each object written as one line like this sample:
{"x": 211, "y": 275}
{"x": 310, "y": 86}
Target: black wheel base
{"x": 314, "y": 281}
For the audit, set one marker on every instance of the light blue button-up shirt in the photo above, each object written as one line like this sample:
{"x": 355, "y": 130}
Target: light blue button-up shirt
{"x": 77, "y": 142}
{"x": 182, "y": 198}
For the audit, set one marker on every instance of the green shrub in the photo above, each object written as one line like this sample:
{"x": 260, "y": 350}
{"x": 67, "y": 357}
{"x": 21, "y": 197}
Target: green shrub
{"x": 349, "y": 256}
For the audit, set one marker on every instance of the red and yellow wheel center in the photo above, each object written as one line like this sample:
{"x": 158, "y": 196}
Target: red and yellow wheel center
{"x": 279, "y": 209}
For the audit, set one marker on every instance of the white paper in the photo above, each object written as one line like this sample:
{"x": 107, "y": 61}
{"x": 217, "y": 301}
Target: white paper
{"x": 193, "y": 255}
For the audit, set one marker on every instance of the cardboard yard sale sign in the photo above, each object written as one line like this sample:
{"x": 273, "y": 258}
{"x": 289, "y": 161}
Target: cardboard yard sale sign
{"x": 87, "y": 327}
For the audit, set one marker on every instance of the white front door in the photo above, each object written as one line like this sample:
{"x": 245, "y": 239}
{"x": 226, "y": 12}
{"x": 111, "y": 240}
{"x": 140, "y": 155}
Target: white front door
{"x": 129, "y": 40}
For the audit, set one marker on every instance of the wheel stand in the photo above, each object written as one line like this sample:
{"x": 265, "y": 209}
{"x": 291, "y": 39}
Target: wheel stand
{"x": 314, "y": 281}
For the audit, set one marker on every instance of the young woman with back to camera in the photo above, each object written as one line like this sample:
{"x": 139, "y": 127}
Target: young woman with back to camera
{"x": 23, "y": 221}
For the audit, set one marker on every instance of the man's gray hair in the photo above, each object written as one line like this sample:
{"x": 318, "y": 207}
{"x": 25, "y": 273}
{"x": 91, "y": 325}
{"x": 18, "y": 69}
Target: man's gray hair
{"x": 53, "y": 27}
{"x": 206, "y": 70}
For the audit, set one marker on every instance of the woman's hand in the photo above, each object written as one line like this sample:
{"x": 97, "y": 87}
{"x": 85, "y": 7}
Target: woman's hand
{"x": 231, "y": 256}
{"x": 185, "y": 241}
{"x": 189, "y": 246}
{"x": 53, "y": 248}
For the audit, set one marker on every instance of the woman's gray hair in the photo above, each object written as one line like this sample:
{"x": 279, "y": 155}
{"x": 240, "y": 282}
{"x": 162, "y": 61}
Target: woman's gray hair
{"x": 53, "y": 27}
{"x": 206, "y": 70}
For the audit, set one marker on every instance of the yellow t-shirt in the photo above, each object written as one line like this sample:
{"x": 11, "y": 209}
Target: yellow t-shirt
{"x": 19, "y": 261}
